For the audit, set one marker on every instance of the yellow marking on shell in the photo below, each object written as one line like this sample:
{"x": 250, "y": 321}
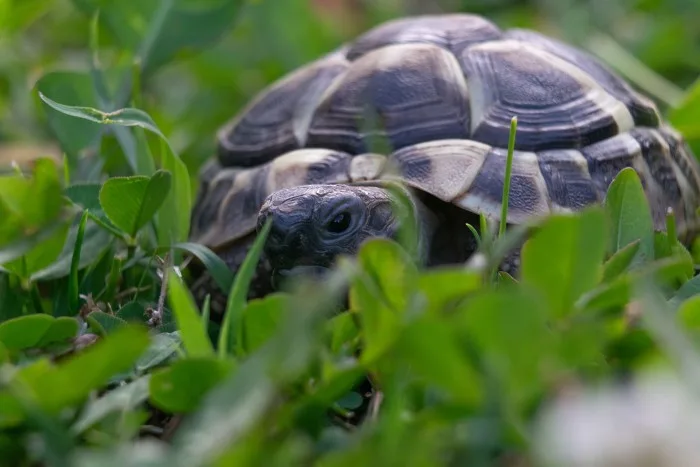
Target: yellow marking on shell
{"x": 524, "y": 163}
{"x": 454, "y": 164}
{"x": 366, "y": 167}
{"x": 477, "y": 103}
{"x": 577, "y": 157}
{"x": 219, "y": 232}
{"x": 633, "y": 147}
{"x": 604, "y": 101}
{"x": 292, "y": 168}
{"x": 307, "y": 105}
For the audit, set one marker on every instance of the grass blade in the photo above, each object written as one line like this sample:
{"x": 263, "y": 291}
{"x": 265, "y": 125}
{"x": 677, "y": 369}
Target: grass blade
{"x": 506, "y": 181}
{"x": 232, "y": 324}
{"x": 73, "y": 292}
{"x": 218, "y": 269}
{"x": 189, "y": 322}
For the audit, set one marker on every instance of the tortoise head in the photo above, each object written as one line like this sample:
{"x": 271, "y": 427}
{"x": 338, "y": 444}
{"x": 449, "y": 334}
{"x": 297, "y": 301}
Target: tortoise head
{"x": 312, "y": 225}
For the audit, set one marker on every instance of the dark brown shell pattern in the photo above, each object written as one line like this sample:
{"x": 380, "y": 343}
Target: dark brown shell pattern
{"x": 445, "y": 89}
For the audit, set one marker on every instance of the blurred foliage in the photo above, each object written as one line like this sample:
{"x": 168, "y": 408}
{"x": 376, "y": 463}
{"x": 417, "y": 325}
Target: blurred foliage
{"x": 106, "y": 359}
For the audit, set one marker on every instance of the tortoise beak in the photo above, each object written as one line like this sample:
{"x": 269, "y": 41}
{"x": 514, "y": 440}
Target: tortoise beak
{"x": 290, "y": 217}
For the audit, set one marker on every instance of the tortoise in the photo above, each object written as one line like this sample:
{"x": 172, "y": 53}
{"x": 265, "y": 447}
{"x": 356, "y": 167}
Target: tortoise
{"x": 444, "y": 89}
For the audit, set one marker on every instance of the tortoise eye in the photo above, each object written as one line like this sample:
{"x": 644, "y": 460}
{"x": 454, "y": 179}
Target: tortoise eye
{"x": 340, "y": 223}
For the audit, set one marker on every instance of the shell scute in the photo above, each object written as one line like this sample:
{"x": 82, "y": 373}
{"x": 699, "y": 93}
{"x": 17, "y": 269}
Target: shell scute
{"x": 527, "y": 198}
{"x": 446, "y": 169}
{"x": 417, "y": 92}
{"x": 277, "y": 120}
{"x": 568, "y": 181}
{"x": 558, "y": 106}
{"x": 452, "y": 32}
{"x": 643, "y": 110}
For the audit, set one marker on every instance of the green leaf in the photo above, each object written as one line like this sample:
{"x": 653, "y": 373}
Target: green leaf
{"x": 620, "y": 261}
{"x": 156, "y": 31}
{"x": 261, "y": 319}
{"x": 70, "y": 382}
{"x": 95, "y": 242}
{"x": 510, "y": 331}
{"x": 85, "y": 195}
{"x": 334, "y": 385}
{"x": 18, "y": 16}
{"x": 75, "y": 136}
{"x": 11, "y": 411}
{"x": 132, "y": 311}
{"x": 446, "y": 285}
{"x": 618, "y": 292}
{"x": 33, "y": 242}
{"x": 163, "y": 347}
{"x": 381, "y": 293}
{"x": 434, "y": 351}
{"x": 628, "y": 210}
{"x": 122, "y": 399}
{"x": 689, "y": 289}
{"x": 30, "y": 204}
{"x": 228, "y": 412}
{"x": 194, "y": 335}
{"x": 218, "y": 269}
{"x": 231, "y": 335}
{"x": 174, "y": 218}
{"x": 173, "y": 222}
{"x": 350, "y": 401}
{"x": 182, "y": 386}
{"x": 342, "y": 331}
{"x": 62, "y": 329}
{"x": 130, "y": 202}
{"x": 563, "y": 259}
{"x": 689, "y": 313}
{"x": 25, "y": 332}
{"x": 665, "y": 247}
{"x": 104, "y": 323}
{"x": 686, "y": 116}
{"x": 123, "y": 117}
{"x": 40, "y": 255}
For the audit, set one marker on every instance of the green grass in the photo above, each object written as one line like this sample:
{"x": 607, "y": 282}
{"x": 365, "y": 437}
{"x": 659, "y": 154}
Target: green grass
{"x": 106, "y": 359}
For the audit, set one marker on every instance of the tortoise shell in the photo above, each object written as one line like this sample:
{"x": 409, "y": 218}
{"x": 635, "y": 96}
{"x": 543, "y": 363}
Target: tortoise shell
{"x": 445, "y": 88}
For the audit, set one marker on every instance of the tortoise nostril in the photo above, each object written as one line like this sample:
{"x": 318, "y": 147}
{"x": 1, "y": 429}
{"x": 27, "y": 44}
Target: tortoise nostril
{"x": 283, "y": 232}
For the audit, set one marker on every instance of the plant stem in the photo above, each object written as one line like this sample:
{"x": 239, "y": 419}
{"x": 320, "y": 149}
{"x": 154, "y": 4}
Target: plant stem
{"x": 36, "y": 298}
{"x": 157, "y": 316}
{"x": 506, "y": 181}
